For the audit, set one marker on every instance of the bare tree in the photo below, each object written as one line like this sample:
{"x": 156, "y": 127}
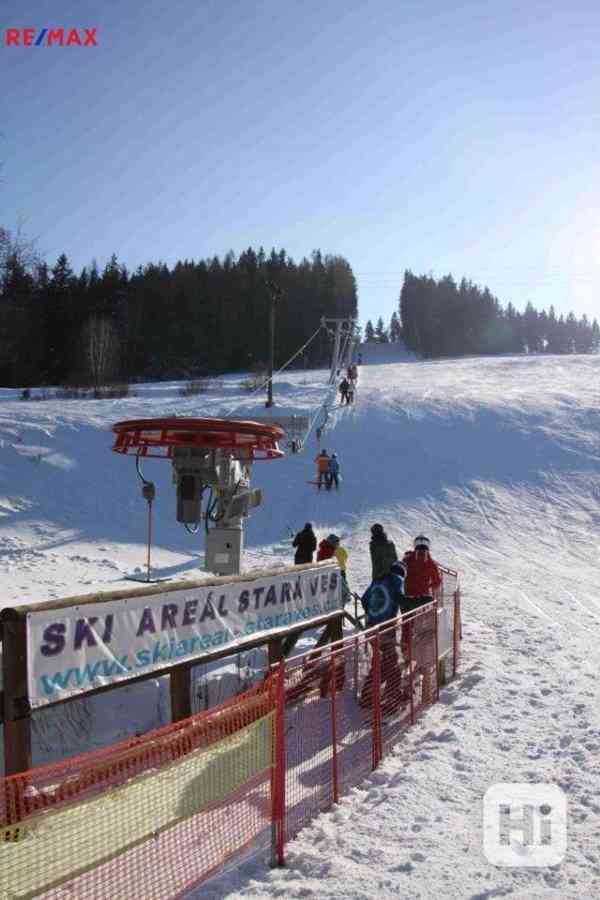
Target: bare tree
{"x": 15, "y": 246}
{"x": 101, "y": 349}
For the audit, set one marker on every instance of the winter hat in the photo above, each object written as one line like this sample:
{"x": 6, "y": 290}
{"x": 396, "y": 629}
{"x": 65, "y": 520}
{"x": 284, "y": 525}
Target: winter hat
{"x": 334, "y": 455}
{"x": 421, "y": 542}
{"x": 377, "y": 530}
{"x": 398, "y": 568}
{"x": 308, "y": 526}
{"x": 333, "y": 539}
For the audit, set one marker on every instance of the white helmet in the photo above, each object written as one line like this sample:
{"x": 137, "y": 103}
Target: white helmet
{"x": 421, "y": 542}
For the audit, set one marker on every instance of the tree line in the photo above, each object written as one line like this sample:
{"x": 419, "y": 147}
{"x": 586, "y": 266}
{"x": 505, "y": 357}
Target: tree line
{"x": 195, "y": 318}
{"x": 443, "y": 318}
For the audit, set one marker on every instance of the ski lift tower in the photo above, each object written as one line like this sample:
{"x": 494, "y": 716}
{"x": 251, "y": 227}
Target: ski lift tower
{"x": 342, "y": 338}
{"x": 211, "y": 461}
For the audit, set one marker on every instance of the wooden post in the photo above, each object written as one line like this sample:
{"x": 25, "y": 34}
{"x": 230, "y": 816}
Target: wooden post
{"x": 17, "y": 711}
{"x": 181, "y": 693}
{"x": 336, "y": 629}
{"x": 275, "y": 651}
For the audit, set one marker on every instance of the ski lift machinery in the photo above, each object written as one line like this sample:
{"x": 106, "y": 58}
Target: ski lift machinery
{"x": 208, "y": 456}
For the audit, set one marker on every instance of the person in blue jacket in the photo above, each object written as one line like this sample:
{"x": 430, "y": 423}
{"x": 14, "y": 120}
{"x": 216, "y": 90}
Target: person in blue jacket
{"x": 333, "y": 473}
{"x": 382, "y": 602}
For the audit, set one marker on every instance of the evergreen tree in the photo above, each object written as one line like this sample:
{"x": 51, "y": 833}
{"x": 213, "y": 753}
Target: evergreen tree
{"x": 59, "y": 313}
{"x": 369, "y": 332}
{"x": 395, "y": 329}
{"x": 595, "y": 337}
{"x": 381, "y": 335}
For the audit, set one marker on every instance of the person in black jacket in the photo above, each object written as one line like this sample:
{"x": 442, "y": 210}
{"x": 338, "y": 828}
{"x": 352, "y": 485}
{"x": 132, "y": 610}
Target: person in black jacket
{"x": 305, "y": 543}
{"x": 383, "y": 552}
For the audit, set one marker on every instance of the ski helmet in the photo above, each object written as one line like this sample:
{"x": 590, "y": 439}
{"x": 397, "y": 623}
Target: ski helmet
{"x": 421, "y": 542}
{"x": 333, "y": 539}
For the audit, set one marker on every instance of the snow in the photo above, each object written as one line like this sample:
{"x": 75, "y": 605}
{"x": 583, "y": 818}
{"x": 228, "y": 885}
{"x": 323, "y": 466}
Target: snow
{"x": 497, "y": 460}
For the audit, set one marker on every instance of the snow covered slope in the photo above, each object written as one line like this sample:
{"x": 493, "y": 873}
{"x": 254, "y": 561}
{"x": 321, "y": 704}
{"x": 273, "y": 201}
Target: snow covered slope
{"x": 498, "y": 460}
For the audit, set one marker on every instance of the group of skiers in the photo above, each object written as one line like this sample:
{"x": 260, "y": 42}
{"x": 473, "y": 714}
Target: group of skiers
{"x": 404, "y": 585}
{"x": 305, "y": 543}
{"x": 348, "y": 386}
{"x": 397, "y": 587}
{"x": 330, "y": 547}
{"x": 328, "y": 470}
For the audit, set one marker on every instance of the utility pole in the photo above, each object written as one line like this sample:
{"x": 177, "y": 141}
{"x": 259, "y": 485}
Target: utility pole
{"x": 276, "y": 293}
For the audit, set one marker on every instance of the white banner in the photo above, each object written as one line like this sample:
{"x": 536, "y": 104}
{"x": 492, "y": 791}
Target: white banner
{"x": 78, "y": 648}
{"x": 445, "y": 625}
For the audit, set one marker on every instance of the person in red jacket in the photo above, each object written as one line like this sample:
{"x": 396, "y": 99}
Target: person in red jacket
{"x": 327, "y": 547}
{"x": 423, "y": 576}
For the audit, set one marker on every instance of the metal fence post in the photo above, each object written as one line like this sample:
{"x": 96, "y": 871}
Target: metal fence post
{"x": 411, "y": 675}
{"x": 455, "y": 633}
{"x": 356, "y": 691}
{"x": 334, "y": 760}
{"x": 376, "y": 699}
{"x": 280, "y": 766}
{"x": 437, "y": 650}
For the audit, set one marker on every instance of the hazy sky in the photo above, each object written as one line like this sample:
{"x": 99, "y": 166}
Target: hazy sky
{"x": 432, "y": 135}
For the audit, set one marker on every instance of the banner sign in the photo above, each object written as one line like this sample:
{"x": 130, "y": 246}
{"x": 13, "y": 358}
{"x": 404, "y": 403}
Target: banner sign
{"x": 76, "y": 649}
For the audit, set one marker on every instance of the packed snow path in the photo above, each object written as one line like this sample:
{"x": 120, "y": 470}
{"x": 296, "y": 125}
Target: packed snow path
{"x": 498, "y": 460}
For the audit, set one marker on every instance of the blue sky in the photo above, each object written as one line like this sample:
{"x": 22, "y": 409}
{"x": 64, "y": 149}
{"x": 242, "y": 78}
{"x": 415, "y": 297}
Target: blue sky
{"x": 436, "y": 136}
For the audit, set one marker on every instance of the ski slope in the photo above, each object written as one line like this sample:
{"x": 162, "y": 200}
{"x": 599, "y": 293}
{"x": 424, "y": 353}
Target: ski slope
{"x": 498, "y": 461}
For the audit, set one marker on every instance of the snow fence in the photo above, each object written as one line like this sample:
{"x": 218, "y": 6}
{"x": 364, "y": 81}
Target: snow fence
{"x": 150, "y": 818}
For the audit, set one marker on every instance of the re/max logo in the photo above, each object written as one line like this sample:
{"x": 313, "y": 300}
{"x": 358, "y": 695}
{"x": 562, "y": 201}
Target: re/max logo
{"x": 50, "y": 37}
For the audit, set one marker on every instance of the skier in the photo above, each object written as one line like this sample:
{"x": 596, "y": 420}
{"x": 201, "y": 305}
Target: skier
{"x": 305, "y": 543}
{"x": 350, "y": 395}
{"x": 333, "y": 475}
{"x": 423, "y": 577}
{"x": 383, "y": 552}
{"x": 328, "y": 547}
{"x": 343, "y": 389}
{"x": 322, "y": 461}
{"x": 382, "y": 601}
{"x": 331, "y": 547}
{"x": 384, "y": 597}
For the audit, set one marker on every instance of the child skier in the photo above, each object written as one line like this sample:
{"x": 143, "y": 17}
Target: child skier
{"x": 333, "y": 472}
{"x": 322, "y": 461}
{"x": 382, "y": 601}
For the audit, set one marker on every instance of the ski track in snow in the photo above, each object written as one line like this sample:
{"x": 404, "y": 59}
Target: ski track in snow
{"x": 498, "y": 460}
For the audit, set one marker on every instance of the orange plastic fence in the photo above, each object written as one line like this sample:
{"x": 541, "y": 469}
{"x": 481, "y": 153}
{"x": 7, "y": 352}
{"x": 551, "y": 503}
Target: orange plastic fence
{"x": 150, "y": 818}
